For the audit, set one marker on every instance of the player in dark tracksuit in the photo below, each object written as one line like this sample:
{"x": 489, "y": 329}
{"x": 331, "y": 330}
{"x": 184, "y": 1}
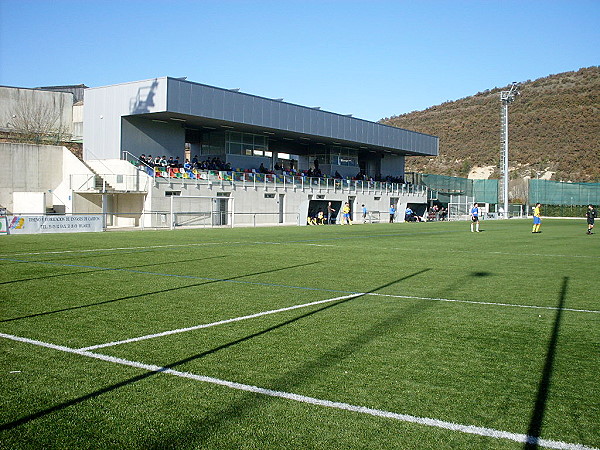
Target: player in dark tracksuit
{"x": 590, "y": 215}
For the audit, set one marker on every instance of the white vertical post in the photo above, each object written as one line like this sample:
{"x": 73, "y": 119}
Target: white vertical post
{"x": 505, "y": 159}
{"x": 172, "y": 218}
{"x": 506, "y": 97}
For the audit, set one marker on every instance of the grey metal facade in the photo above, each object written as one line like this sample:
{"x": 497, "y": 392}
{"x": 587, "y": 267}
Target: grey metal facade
{"x": 143, "y": 116}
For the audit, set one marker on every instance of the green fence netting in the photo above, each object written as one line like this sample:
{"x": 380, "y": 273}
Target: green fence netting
{"x": 560, "y": 193}
{"x": 485, "y": 191}
{"x": 443, "y": 187}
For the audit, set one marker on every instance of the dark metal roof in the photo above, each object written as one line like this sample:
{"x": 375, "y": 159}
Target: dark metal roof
{"x": 203, "y": 105}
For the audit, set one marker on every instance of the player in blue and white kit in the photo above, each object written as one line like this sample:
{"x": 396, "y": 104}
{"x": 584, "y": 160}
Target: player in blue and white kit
{"x": 475, "y": 217}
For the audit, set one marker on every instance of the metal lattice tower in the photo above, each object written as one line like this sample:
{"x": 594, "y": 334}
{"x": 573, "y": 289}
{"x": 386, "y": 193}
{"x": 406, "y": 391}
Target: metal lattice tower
{"x": 506, "y": 98}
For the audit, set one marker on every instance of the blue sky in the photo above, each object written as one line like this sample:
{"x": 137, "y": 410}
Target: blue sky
{"x": 373, "y": 59}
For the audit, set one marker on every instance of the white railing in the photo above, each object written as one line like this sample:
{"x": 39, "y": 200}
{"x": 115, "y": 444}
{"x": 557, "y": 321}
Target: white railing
{"x": 141, "y": 183}
{"x": 256, "y": 180}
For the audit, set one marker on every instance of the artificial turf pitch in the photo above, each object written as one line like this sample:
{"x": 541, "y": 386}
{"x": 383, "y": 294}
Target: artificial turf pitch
{"x": 495, "y": 336}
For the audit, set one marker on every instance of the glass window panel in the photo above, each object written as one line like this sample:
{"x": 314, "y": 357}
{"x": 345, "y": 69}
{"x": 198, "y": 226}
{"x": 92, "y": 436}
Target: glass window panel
{"x": 235, "y": 137}
{"x": 235, "y": 149}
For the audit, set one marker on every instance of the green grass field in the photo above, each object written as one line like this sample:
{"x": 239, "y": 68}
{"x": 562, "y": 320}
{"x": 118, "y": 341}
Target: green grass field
{"x": 426, "y": 336}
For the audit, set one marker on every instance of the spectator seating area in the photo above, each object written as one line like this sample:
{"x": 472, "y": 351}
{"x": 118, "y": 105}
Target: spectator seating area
{"x": 202, "y": 171}
{"x": 251, "y": 176}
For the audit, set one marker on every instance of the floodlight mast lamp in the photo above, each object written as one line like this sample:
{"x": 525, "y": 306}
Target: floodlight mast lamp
{"x": 506, "y": 98}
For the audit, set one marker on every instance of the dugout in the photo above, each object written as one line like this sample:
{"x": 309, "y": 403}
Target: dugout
{"x": 314, "y": 206}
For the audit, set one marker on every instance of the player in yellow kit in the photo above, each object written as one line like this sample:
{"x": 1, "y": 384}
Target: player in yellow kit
{"x": 537, "y": 219}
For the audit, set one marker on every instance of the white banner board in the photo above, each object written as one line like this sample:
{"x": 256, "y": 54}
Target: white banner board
{"x": 50, "y": 224}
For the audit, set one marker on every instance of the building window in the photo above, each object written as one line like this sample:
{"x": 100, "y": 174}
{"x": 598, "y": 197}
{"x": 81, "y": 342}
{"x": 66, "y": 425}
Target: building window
{"x": 246, "y": 144}
{"x": 344, "y": 156}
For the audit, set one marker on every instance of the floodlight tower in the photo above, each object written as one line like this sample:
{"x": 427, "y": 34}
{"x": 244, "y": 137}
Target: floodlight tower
{"x": 506, "y": 98}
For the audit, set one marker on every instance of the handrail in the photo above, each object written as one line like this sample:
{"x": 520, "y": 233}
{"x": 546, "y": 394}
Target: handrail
{"x": 125, "y": 153}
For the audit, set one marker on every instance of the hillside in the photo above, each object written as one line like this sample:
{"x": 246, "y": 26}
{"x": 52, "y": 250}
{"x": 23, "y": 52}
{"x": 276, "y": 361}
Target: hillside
{"x": 554, "y": 127}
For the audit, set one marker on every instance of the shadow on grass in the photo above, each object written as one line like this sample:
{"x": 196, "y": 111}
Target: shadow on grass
{"x": 203, "y": 430}
{"x": 481, "y": 274}
{"x": 100, "y": 269}
{"x": 162, "y": 291}
{"x": 537, "y": 415}
{"x": 237, "y": 408}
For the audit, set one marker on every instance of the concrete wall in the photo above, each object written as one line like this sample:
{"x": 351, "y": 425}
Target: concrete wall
{"x": 29, "y": 203}
{"x": 87, "y": 203}
{"x": 37, "y": 168}
{"x": 104, "y": 108}
{"x": 22, "y": 108}
{"x": 78, "y": 122}
{"x": 261, "y": 205}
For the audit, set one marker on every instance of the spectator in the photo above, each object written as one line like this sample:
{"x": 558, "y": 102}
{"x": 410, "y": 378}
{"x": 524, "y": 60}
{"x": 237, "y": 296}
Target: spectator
{"x": 330, "y": 212}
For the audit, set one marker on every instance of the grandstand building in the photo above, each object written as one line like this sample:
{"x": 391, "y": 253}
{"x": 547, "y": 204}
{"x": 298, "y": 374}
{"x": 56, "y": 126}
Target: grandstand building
{"x": 271, "y": 151}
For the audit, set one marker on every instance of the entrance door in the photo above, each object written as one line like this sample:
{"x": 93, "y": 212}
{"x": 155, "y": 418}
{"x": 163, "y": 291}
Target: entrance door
{"x": 220, "y": 215}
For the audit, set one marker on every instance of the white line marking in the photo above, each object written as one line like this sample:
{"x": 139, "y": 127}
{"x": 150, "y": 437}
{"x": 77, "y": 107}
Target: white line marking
{"x": 470, "y": 429}
{"x": 220, "y": 322}
{"x": 289, "y": 308}
{"x": 528, "y": 254}
{"x": 552, "y": 308}
{"x": 58, "y": 252}
{"x": 150, "y": 247}
{"x": 283, "y": 243}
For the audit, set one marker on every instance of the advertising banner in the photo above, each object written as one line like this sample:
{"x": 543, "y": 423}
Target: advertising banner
{"x": 51, "y": 224}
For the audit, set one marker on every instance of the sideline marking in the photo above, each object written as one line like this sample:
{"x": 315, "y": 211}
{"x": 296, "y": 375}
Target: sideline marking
{"x": 220, "y": 322}
{"x": 318, "y": 302}
{"x": 469, "y": 429}
{"x": 58, "y": 252}
{"x": 473, "y": 302}
{"x": 302, "y": 241}
{"x": 519, "y": 254}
